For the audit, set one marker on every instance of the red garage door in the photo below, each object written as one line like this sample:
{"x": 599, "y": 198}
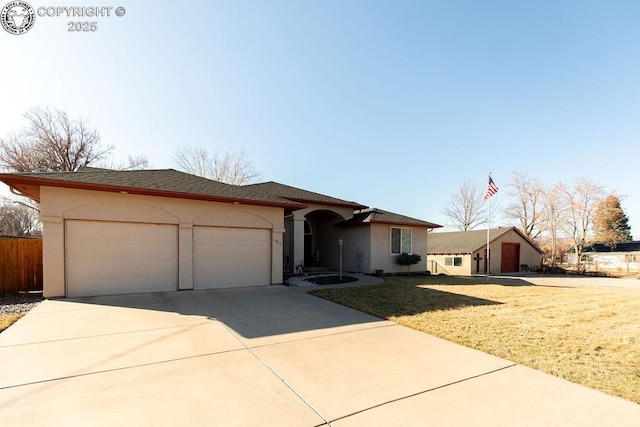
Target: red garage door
{"x": 510, "y": 258}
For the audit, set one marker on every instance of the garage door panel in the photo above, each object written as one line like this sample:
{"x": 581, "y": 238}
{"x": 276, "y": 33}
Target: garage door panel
{"x": 231, "y": 257}
{"x": 225, "y": 234}
{"x": 78, "y": 270}
{"x": 113, "y": 231}
{"x": 107, "y": 249}
{"x": 138, "y": 248}
{"x": 82, "y": 229}
{"x": 164, "y": 250}
{"x": 105, "y": 258}
{"x": 141, "y": 233}
{"x": 78, "y": 250}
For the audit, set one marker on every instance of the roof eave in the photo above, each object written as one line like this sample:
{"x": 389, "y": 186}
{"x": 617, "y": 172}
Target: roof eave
{"x": 413, "y": 224}
{"x": 351, "y": 205}
{"x": 531, "y": 242}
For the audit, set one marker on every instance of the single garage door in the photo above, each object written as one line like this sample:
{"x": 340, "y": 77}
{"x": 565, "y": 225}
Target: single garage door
{"x": 510, "y": 258}
{"x": 106, "y": 258}
{"x": 231, "y": 257}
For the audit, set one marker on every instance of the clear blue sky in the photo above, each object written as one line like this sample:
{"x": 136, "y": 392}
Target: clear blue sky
{"x": 389, "y": 103}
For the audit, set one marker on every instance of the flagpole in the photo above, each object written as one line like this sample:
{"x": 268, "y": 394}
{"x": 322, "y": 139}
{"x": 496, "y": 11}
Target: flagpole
{"x": 492, "y": 189}
{"x": 488, "y": 254}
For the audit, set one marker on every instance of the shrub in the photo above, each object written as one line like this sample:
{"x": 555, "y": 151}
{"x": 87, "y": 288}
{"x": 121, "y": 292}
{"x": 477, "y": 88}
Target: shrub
{"x": 408, "y": 259}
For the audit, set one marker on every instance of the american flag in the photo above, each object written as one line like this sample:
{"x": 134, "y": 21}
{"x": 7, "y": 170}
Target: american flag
{"x": 492, "y": 189}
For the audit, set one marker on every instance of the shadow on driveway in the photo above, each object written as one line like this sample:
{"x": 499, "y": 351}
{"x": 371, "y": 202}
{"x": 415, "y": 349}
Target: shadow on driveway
{"x": 252, "y": 312}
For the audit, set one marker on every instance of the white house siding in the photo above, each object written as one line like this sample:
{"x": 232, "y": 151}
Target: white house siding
{"x": 614, "y": 262}
{"x": 59, "y": 205}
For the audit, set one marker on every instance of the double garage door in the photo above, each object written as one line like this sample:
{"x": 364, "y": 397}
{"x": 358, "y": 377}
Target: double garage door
{"x": 106, "y": 258}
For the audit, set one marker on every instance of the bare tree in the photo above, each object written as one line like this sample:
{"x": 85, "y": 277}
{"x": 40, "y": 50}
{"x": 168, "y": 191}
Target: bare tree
{"x": 464, "y": 209}
{"x": 581, "y": 200}
{"x": 19, "y": 219}
{"x": 52, "y": 141}
{"x": 527, "y": 205}
{"x": 132, "y": 163}
{"x": 231, "y": 168}
{"x": 553, "y": 213}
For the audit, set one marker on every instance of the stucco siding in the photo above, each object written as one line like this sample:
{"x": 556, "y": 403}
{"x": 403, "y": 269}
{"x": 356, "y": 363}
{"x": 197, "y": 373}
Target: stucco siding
{"x": 96, "y": 205}
{"x": 437, "y": 264}
{"x": 528, "y": 254}
{"x": 356, "y": 248}
{"x": 381, "y": 257}
{"x": 344, "y": 212}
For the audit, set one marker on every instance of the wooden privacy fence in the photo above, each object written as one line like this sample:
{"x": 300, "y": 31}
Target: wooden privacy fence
{"x": 20, "y": 265}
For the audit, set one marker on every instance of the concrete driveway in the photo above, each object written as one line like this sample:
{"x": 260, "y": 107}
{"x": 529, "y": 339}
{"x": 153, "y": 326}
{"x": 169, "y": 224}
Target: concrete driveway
{"x": 267, "y": 356}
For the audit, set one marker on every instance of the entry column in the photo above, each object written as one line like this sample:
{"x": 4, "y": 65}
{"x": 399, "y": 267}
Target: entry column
{"x": 276, "y": 255}
{"x": 298, "y": 242}
{"x": 185, "y": 256}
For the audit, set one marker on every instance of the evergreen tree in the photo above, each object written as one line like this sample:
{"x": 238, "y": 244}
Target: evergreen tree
{"x": 611, "y": 224}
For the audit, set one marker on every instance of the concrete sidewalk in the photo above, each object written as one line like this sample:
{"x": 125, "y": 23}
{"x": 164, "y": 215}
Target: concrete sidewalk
{"x": 268, "y": 356}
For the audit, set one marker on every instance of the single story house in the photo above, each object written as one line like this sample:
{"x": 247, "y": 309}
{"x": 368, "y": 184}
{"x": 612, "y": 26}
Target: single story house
{"x": 621, "y": 257}
{"x": 112, "y": 232}
{"x": 464, "y": 252}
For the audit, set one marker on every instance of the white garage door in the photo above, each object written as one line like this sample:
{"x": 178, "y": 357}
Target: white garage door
{"x": 106, "y": 258}
{"x": 231, "y": 257}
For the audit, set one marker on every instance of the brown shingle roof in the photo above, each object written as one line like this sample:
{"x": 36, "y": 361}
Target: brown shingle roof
{"x": 162, "y": 182}
{"x": 466, "y": 242}
{"x": 172, "y": 183}
{"x": 295, "y": 194}
{"x": 374, "y": 215}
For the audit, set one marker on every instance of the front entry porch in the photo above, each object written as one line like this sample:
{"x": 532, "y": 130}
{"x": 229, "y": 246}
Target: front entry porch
{"x": 311, "y": 239}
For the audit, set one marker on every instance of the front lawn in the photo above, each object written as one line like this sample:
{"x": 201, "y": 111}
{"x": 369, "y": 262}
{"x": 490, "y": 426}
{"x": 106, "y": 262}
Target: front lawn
{"x": 7, "y": 320}
{"x": 590, "y": 336}
{"x": 14, "y": 306}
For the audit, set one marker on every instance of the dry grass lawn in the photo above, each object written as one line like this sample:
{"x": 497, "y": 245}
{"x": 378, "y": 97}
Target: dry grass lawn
{"x": 590, "y": 336}
{"x": 7, "y": 320}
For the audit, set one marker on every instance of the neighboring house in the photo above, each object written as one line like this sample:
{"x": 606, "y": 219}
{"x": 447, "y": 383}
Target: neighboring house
{"x": 463, "y": 252}
{"x": 618, "y": 257}
{"x": 111, "y": 232}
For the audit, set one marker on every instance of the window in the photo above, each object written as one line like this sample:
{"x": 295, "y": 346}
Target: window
{"x": 455, "y": 261}
{"x": 400, "y": 240}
